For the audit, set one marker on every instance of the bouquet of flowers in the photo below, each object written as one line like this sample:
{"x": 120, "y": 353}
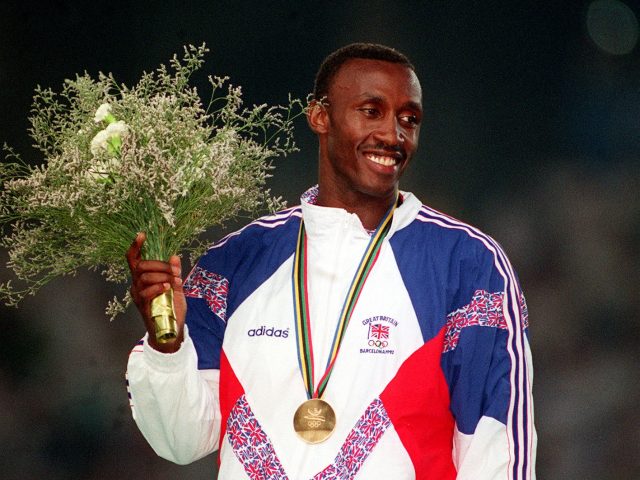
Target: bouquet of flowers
{"x": 120, "y": 160}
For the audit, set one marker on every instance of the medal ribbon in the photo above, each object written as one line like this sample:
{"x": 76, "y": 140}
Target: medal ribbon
{"x": 301, "y": 303}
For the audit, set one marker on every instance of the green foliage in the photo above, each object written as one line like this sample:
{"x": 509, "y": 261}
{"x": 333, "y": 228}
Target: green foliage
{"x": 120, "y": 160}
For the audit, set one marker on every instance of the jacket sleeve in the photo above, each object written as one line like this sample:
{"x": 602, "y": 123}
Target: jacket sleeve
{"x": 175, "y": 405}
{"x": 175, "y": 398}
{"x": 487, "y": 362}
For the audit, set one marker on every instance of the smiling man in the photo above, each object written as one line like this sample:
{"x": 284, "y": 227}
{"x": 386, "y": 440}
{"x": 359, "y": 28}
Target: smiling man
{"x": 360, "y": 334}
{"x": 367, "y": 122}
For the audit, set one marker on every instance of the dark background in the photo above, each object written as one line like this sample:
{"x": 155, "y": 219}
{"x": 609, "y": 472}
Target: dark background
{"x": 531, "y": 132}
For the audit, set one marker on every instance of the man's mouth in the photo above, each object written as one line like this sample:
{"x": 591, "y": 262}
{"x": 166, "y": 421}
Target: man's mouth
{"x": 386, "y": 160}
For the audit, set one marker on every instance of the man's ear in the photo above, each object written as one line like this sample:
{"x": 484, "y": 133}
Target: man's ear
{"x": 318, "y": 117}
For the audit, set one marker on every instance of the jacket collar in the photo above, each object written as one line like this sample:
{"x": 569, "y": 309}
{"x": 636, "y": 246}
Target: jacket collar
{"x": 320, "y": 221}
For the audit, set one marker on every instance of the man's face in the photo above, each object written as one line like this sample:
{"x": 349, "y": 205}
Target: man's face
{"x": 372, "y": 126}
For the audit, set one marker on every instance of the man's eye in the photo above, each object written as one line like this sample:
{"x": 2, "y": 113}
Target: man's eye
{"x": 371, "y": 112}
{"x": 409, "y": 120}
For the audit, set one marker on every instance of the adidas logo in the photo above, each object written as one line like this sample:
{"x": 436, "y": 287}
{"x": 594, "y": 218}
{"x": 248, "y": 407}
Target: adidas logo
{"x": 268, "y": 332}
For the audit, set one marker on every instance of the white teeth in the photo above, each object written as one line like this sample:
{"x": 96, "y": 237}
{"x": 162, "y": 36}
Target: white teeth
{"x": 386, "y": 161}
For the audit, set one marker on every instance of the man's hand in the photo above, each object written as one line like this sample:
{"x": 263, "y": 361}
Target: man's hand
{"x": 150, "y": 278}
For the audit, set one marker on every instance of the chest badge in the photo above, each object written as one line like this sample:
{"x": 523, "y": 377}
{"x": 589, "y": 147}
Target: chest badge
{"x": 379, "y": 335}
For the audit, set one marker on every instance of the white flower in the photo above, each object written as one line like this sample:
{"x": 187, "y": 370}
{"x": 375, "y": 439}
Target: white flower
{"x": 118, "y": 128}
{"x": 103, "y": 111}
{"x": 109, "y": 137}
{"x": 99, "y": 142}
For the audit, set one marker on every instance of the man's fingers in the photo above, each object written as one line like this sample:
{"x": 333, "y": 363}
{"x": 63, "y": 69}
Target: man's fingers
{"x": 154, "y": 290}
{"x": 134, "y": 253}
{"x": 152, "y": 277}
{"x": 176, "y": 269}
{"x": 176, "y": 265}
{"x": 145, "y": 266}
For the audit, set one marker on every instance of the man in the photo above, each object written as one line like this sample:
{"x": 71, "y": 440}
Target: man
{"x": 359, "y": 335}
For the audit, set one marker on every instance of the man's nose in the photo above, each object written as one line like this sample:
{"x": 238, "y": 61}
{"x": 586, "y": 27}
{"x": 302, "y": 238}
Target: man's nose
{"x": 390, "y": 132}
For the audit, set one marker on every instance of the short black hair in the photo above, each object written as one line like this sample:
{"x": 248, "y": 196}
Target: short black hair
{"x": 369, "y": 51}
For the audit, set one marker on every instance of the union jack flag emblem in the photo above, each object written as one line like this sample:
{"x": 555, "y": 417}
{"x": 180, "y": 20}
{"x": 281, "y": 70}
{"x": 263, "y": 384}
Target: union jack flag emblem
{"x": 378, "y": 331}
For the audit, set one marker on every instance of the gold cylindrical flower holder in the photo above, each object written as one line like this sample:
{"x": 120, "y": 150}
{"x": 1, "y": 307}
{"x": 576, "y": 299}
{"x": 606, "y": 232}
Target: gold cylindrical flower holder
{"x": 164, "y": 317}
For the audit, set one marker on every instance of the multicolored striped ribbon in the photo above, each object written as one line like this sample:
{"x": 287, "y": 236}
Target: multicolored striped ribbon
{"x": 301, "y": 301}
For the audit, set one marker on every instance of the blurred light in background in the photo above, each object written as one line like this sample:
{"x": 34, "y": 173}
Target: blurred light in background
{"x": 612, "y": 26}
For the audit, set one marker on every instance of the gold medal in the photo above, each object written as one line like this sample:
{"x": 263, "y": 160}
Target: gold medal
{"x": 314, "y": 421}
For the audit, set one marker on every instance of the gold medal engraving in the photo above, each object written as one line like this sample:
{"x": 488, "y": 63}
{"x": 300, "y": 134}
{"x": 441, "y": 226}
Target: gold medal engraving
{"x": 314, "y": 421}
